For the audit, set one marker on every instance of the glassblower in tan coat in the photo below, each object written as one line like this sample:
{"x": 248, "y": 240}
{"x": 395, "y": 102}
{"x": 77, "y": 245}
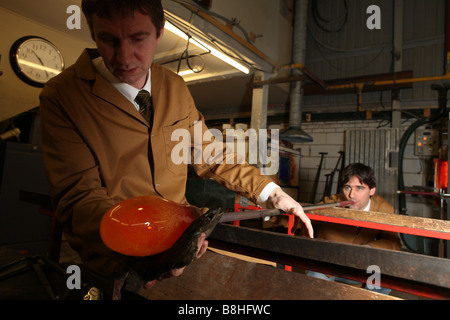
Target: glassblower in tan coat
{"x": 100, "y": 150}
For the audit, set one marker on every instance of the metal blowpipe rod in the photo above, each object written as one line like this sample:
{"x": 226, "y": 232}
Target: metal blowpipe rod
{"x": 255, "y": 214}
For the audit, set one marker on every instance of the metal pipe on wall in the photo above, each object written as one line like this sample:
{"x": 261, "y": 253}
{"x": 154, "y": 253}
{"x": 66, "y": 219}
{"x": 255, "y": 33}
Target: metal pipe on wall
{"x": 294, "y": 133}
{"x": 447, "y": 37}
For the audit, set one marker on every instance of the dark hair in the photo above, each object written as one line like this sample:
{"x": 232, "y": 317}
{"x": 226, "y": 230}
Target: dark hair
{"x": 362, "y": 172}
{"x": 106, "y": 8}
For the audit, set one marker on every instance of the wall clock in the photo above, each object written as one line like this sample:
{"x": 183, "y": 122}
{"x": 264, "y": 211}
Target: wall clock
{"x": 35, "y": 60}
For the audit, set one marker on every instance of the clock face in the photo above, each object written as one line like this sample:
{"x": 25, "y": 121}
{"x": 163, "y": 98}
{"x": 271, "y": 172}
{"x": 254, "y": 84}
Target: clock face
{"x": 36, "y": 60}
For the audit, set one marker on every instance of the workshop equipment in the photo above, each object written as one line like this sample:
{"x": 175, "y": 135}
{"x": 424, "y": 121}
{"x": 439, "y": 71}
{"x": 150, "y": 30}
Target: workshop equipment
{"x": 330, "y": 176}
{"x": 442, "y": 101}
{"x": 440, "y": 174}
{"x": 316, "y": 180}
{"x": 49, "y": 276}
{"x": 441, "y": 112}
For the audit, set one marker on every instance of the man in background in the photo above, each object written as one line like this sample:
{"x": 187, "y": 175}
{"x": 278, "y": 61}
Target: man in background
{"x": 359, "y": 186}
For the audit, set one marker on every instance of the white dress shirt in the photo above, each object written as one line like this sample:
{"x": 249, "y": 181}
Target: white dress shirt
{"x": 127, "y": 90}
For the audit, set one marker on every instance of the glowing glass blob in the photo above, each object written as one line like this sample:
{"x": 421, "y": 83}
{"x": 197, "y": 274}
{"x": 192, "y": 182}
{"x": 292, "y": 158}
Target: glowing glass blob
{"x": 144, "y": 226}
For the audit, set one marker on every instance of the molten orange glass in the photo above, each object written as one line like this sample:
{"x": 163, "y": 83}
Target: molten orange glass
{"x": 145, "y": 226}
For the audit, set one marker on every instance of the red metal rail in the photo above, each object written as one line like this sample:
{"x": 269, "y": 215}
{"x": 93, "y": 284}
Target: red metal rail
{"x": 380, "y": 226}
{"x": 425, "y": 227}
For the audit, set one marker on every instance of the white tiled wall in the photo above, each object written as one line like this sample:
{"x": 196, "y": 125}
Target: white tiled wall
{"x": 329, "y": 137}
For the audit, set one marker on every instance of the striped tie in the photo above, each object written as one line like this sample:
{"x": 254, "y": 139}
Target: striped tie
{"x": 144, "y": 100}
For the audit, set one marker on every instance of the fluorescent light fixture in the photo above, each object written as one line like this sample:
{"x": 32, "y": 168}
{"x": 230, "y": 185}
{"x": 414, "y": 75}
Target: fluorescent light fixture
{"x": 185, "y": 72}
{"x": 224, "y": 58}
{"x": 175, "y": 30}
{"x": 170, "y": 27}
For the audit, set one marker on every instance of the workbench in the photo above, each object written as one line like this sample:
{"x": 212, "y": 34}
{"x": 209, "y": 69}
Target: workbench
{"x": 425, "y": 227}
{"x": 219, "y": 277}
{"x": 222, "y": 277}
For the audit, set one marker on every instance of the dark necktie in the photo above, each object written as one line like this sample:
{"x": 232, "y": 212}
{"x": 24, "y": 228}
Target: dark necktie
{"x": 144, "y": 100}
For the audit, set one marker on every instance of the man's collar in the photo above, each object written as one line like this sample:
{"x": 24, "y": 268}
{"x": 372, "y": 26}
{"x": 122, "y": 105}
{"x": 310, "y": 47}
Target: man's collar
{"x": 127, "y": 90}
{"x": 367, "y": 208}
{"x": 83, "y": 66}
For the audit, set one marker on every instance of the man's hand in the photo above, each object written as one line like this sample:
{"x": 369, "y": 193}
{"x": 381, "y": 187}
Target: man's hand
{"x": 202, "y": 247}
{"x": 279, "y": 199}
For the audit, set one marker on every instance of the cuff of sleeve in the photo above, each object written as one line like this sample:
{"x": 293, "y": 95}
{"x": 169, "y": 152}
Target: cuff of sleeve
{"x": 264, "y": 195}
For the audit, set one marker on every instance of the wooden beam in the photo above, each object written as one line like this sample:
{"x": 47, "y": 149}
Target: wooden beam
{"x": 419, "y": 226}
{"x": 219, "y": 277}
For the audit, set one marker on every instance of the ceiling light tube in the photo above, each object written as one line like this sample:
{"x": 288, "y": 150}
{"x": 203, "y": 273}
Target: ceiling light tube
{"x": 224, "y": 57}
{"x": 175, "y": 30}
{"x": 170, "y": 27}
{"x": 185, "y": 72}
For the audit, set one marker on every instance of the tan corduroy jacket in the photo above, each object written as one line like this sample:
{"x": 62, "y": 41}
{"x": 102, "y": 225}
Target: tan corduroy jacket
{"x": 97, "y": 147}
{"x": 361, "y": 236}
